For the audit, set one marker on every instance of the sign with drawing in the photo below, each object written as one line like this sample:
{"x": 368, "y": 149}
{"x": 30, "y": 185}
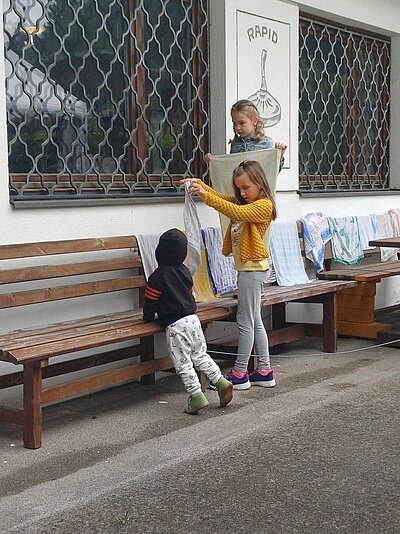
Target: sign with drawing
{"x": 263, "y": 72}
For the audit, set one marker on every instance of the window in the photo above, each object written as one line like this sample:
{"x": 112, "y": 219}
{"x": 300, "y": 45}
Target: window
{"x": 343, "y": 108}
{"x": 105, "y": 98}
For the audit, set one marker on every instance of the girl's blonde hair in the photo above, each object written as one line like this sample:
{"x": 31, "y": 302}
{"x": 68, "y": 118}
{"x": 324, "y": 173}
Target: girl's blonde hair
{"x": 249, "y": 109}
{"x": 256, "y": 175}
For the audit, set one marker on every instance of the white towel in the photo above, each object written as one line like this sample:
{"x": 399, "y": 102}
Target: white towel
{"x": 386, "y": 229}
{"x": 395, "y": 214}
{"x": 221, "y": 268}
{"x": 147, "y": 244}
{"x": 316, "y": 233}
{"x": 367, "y": 229}
{"x": 346, "y": 245}
{"x": 193, "y": 232}
{"x": 286, "y": 254}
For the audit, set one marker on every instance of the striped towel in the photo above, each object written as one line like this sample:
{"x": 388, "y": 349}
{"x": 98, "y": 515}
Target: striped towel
{"x": 221, "y": 268}
{"x": 346, "y": 244}
{"x": 316, "y": 233}
{"x": 286, "y": 254}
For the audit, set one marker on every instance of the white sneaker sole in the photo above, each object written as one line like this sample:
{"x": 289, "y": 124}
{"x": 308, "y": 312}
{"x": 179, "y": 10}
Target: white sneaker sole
{"x": 246, "y": 385}
{"x": 264, "y": 384}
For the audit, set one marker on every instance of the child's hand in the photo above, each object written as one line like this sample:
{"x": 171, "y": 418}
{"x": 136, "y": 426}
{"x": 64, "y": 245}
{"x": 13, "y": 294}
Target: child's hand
{"x": 184, "y": 181}
{"x": 207, "y": 157}
{"x": 281, "y": 146}
{"x": 195, "y": 188}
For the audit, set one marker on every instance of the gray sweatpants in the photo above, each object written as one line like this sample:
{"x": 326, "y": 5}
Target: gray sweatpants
{"x": 187, "y": 347}
{"x": 250, "y": 326}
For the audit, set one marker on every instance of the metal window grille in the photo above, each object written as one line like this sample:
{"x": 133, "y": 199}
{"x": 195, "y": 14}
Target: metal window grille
{"x": 344, "y": 105}
{"x": 105, "y": 98}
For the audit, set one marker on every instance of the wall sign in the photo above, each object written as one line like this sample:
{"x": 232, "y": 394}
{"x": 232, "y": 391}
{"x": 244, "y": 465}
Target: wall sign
{"x": 263, "y": 72}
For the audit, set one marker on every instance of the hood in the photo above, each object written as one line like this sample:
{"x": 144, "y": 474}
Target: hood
{"x": 172, "y": 247}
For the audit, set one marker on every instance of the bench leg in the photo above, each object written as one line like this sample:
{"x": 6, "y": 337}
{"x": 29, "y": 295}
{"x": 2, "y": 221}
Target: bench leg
{"x": 147, "y": 354}
{"x": 32, "y": 407}
{"x": 329, "y": 324}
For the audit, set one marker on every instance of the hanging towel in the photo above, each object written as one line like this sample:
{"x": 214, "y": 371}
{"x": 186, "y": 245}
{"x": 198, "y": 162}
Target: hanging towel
{"x": 222, "y": 167}
{"x": 147, "y": 244}
{"x": 193, "y": 232}
{"x": 386, "y": 229}
{"x": 286, "y": 254}
{"x": 202, "y": 289}
{"x": 395, "y": 214}
{"x": 346, "y": 245}
{"x": 367, "y": 229}
{"x": 316, "y": 233}
{"x": 221, "y": 268}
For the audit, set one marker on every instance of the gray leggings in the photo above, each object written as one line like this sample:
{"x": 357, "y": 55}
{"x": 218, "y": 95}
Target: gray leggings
{"x": 250, "y": 326}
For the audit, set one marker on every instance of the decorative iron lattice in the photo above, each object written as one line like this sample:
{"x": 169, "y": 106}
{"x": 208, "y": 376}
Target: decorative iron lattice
{"x": 105, "y": 98}
{"x": 344, "y": 109}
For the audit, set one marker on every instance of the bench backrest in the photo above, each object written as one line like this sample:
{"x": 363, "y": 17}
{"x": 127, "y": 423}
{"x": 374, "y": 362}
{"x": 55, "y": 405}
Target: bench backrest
{"x": 85, "y": 257}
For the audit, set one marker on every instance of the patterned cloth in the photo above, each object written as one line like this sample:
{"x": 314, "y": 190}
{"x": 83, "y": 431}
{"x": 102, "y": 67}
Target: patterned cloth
{"x": 316, "y": 233}
{"x": 367, "y": 229}
{"x": 286, "y": 254}
{"x": 395, "y": 214}
{"x": 222, "y": 272}
{"x": 188, "y": 350}
{"x": 250, "y": 144}
{"x": 386, "y": 228}
{"x": 346, "y": 244}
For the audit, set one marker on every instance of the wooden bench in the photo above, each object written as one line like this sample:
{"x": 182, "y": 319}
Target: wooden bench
{"x": 356, "y": 306}
{"x": 115, "y": 264}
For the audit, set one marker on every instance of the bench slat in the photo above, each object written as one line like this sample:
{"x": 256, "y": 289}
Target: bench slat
{"x": 277, "y": 295}
{"x": 137, "y": 329}
{"x": 44, "y": 272}
{"x": 107, "y": 378}
{"x": 34, "y": 296}
{"x": 64, "y": 336}
{"x": 370, "y": 272}
{"x": 65, "y": 325}
{"x": 27, "y": 250}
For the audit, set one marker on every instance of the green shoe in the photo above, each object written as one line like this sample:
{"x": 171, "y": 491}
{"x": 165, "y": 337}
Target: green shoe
{"x": 225, "y": 391}
{"x": 196, "y": 403}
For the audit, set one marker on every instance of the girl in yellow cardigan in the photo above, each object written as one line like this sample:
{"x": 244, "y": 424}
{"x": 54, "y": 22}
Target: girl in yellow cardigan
{"x": 251, "y": 210}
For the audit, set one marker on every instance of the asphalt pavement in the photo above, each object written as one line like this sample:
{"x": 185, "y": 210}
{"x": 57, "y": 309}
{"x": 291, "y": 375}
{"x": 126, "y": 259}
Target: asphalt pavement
{"x": 319, "y": 453}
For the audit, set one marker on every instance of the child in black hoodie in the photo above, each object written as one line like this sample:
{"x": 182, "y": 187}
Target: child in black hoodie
{"x": 169, "y": 295}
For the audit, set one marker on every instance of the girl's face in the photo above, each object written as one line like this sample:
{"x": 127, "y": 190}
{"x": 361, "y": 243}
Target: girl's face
{"x": 249, "y": 191}
{"x": 242, "y": 125}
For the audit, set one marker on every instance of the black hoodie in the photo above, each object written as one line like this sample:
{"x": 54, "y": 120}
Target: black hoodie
{"x": 169, "y": 289}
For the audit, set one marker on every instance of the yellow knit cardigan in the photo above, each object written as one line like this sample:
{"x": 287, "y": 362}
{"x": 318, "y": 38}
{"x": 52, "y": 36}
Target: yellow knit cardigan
{"x": 256, "y": 217}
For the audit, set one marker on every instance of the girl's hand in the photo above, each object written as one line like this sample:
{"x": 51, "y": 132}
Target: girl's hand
{"x": 281, "y": 146}
{"x": 207, "y": 157}
{"x": 195, "y": 187}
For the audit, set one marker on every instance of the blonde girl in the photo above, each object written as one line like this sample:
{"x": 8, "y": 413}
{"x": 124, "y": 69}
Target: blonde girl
{"x": 250, "y": 210}
{"x": 248, "y": 131}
